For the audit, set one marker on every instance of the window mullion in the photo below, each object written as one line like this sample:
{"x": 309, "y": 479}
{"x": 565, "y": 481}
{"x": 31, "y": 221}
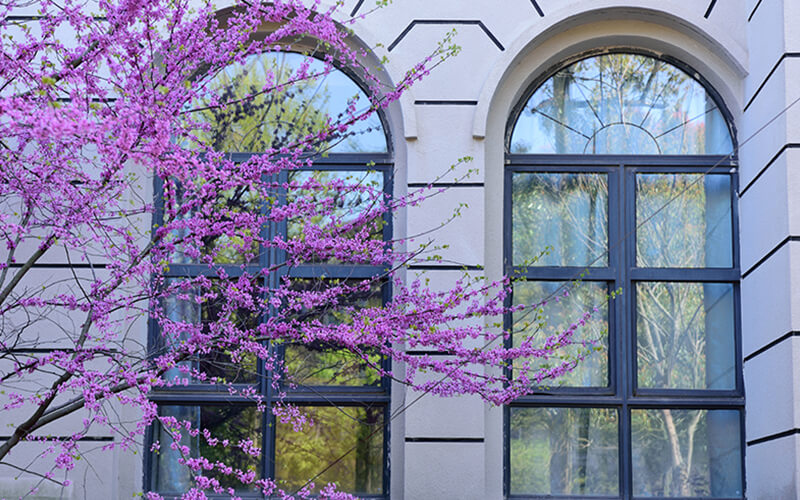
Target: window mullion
{"x": 627, "y": 218}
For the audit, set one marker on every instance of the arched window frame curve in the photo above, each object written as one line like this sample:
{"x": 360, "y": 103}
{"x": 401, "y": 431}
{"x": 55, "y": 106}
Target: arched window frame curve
{"x": 544, "y": 76}
{"x": 357, "y": 82}
{"x": 623, "y": 398}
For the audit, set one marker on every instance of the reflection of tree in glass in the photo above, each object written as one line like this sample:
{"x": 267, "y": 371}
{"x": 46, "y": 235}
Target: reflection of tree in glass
{"x": 684, "y": 338}
{"x": 668, "y": 460}
{"x": 671, "y": 335}
{"x": 300, "y": 456}
{"x": 239, "y": 244}
{"x": 324, "y": 363}
{"x": 686, "y": 453}
{"x": 215, "y": 318}
{"x": 234, "y": 423}
{"x": 590, "y": 341}
{"x": 564, "y": 451}
{"x": 696, "y": 229}
{"x": 274, "y": 100}
{"x": 623, "y": 104}
{"x": 333, "y": 201}
{"x": 565, "y": 211}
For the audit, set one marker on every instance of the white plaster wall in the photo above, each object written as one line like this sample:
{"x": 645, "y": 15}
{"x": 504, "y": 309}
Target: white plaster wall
{"x": 765, "y": 210}
{"x": 444, "y": 136}
{"x": 777, "y": 369}
{"x": 772, "y": 470}
{"x": 432, "y": 416}
{"x": 447, "y": 471}
{"x": 453, "y": 218}
{"x": 770, "y": 306}
{"x": 769, "y": 215}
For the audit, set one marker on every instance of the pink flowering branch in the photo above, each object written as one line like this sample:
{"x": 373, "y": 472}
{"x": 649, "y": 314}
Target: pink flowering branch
{"x": 155, "y": 92}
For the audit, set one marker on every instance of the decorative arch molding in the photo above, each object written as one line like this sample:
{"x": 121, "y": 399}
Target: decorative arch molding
{"x": 401, "y": 115}
{"x": 672, "y": 30}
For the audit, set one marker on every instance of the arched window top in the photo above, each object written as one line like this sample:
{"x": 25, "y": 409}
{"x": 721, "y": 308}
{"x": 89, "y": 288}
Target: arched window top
{"x": 621, "y": 103}
{"x": 309, "y": 98}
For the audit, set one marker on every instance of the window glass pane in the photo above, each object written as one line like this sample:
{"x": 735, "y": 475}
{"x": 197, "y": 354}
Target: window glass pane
{"x": 564, "y": 451}
{"x": 686, "y": 453}
{"x": 179, "y": 310}
{"x": 567, "y": 213}
{"x": 213, "y": 316}
{"x": 590, "y": 340}
{"x": 621, "y": 104}
{"x": 323, "y": 363}
{"x": 239, "y": 246}
{"x": 234, "y": 423}
{"x": 351, "y": 438}
{"x": 219, "y": 362}
{"x": 685, "y": 335}
{"x": 356, "y": 193}
{"x": 255, "y": 120}
{"x": 694, "y": 230}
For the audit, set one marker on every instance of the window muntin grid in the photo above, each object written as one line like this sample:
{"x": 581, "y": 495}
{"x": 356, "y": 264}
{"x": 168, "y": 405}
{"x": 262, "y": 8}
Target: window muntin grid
{"x": 709, "y": 402}
{"x": 360, "y": 157}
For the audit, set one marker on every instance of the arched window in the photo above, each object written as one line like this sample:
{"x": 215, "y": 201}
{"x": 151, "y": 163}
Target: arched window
{"x": 257, "y": 121}
{"x": 620, "y": 176}
{"x": 345, "y": 398}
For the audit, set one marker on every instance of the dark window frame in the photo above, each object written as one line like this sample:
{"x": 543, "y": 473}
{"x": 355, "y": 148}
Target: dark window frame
{"x": 622, "y": 272}
{"x": 319, "y": 396}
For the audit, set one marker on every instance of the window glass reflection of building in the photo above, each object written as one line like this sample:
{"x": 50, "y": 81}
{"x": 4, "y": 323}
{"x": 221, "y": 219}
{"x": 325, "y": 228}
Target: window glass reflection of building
{"x": 343, "y": 395}
{"x": 622, "y": 164}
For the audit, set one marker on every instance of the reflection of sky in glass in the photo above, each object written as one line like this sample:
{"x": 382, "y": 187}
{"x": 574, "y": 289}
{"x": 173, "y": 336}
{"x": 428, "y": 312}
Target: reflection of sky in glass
{"x": 623, "y": 104}
{"x": 279, "y": 118}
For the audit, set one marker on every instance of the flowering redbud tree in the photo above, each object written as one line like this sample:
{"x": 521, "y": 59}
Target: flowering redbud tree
{"x": 157, "y": 174}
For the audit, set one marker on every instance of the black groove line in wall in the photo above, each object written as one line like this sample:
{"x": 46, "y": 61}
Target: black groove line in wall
{"x": 469, "y": 22}
{"x": 770, "y": 254}
{"x": 772, "y": 344}
{"x": 106, "y": 100}
{"x": 64, "y": 438}
{"x": 442, "y": 440}
{"x": 538, "y": 9}
{"x": 772, "y": 437}
{"x": 769, "y": 75}
{"x": 753, "y": 11}
{"x": 62, "y": 265}
{"x": 791, "y": 145}
{"x": 428, "y": 353}
{"x": 710, "y": 8}
{"x": 355, "y": 9}
{"x": 418, "y": 185}
{"x": 38, "y": 350}
{"x": 443, "y": 267}
{"x": 445, "y": 102}
{"x": 22, "y": 19}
